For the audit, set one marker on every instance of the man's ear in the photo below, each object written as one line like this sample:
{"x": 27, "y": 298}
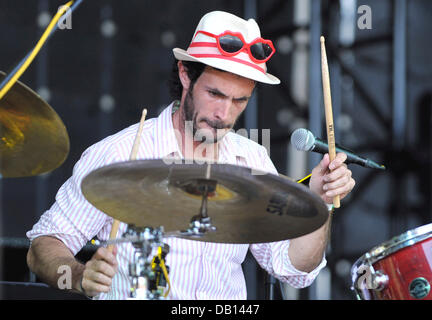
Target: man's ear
{"x": 183, "y": 76}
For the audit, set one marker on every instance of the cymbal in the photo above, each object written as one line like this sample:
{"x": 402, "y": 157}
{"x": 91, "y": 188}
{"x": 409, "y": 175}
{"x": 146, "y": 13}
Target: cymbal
{"x": 244, "y": 208}
{"x": 33, "y": 138}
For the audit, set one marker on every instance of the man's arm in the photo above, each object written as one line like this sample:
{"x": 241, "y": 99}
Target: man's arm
{"x": 47, "y": 254}
{"x": 306, "y": 252}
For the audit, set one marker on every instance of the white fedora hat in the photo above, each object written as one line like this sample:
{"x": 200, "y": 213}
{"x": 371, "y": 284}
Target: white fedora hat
{"x": 205, "y": 47}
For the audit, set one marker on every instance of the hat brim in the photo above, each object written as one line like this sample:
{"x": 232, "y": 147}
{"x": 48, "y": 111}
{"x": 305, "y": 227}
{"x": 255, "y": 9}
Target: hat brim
{"x": 229, "y": 66}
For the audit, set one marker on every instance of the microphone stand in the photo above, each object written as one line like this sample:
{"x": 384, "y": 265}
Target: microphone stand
{"x": 270, "y": 284}
{"x": 14, "y": 71}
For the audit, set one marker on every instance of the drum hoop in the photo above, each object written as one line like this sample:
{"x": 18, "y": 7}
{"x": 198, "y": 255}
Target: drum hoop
{"x": 393, "y": 245}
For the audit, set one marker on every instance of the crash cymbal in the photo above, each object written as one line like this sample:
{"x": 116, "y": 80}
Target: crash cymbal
{"x": 244, "y": 208}
{"x": 33, "y": 138}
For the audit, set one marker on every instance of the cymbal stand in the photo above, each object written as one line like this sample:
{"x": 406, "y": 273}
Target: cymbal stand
{"x": 147, "y": 281}
{"x": 201, "y": 223}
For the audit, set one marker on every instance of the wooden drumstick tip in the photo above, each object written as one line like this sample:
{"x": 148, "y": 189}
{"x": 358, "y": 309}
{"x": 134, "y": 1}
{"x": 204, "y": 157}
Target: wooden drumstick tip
{"x": 322, "y": 39}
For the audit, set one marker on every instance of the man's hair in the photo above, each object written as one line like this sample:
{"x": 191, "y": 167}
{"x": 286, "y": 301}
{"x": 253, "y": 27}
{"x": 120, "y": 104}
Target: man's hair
{"x": 193, "y": 69}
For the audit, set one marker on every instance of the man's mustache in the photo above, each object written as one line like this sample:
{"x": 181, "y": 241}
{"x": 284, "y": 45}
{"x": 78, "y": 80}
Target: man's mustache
{"x": 215, "y": 124}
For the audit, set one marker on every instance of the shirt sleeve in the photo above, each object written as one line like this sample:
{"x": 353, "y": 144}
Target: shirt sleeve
{"x": 72, "y": 219}
{"x": 273, "y": 256}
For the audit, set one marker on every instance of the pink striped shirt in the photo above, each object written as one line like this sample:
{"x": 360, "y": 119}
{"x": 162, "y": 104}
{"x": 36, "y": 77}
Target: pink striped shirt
{"x": 198, "y": 270}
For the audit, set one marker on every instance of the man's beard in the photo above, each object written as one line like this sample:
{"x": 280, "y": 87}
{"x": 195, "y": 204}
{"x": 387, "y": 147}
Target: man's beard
{"x": 202, "y": 135}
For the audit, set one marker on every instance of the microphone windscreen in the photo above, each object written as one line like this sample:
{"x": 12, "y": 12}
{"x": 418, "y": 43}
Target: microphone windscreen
{"x": 302, "y": 139}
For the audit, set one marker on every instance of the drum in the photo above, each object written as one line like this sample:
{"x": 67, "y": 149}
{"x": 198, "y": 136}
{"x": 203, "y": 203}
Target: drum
{"x": 399, "y": 269}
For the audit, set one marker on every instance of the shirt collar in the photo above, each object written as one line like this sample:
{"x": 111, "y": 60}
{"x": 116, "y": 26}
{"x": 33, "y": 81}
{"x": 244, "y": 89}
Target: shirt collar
{"x": 166, "y": 142}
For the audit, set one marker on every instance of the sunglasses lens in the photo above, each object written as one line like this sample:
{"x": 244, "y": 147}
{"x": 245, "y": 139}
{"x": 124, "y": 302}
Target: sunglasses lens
{"x": 261, "y": 51}
{"x": 230, "y": 43}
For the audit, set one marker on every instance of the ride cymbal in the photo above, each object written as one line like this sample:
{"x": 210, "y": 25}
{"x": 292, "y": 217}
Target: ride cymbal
{"x": 244, "y": 207}
{"x": 33, "y": 138}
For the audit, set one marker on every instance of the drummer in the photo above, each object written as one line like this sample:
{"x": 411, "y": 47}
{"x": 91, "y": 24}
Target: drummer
{"x": 212, "y": 83}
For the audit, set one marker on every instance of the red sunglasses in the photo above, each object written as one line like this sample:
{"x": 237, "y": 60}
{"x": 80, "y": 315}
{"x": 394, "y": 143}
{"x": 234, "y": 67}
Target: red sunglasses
{"x": 231, "y": 43}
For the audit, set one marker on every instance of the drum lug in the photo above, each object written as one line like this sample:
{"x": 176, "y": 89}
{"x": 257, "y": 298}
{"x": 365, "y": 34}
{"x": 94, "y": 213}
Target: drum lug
{"x": 380, "y": 280}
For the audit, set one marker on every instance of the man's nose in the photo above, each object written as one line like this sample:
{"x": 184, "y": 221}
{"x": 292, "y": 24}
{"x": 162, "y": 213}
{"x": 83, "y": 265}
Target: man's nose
{"x": 223, "y": 109}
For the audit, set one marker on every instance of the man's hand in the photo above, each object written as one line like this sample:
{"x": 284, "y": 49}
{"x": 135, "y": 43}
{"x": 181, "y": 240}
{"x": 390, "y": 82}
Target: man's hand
{"x": 332, "y": 179}
{"x": 99, "y": 271}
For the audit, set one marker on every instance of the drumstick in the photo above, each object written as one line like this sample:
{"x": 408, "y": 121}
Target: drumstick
{"x": 134, "y": 152}
{"x": 328, "y": 110}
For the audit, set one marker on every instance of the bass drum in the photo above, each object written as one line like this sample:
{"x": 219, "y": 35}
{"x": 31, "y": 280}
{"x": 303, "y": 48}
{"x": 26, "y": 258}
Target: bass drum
{"x": 399, "y": 269}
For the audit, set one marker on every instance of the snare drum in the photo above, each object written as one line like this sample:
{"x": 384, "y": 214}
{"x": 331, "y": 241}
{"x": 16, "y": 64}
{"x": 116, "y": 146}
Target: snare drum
{"x": 399, "y": 269}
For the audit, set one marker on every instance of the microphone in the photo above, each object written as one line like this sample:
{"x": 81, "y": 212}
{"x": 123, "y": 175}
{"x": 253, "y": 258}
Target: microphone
{"x": 304, "y": 140}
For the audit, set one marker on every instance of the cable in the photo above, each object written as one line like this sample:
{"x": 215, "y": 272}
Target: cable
{"x": 164, "y": 269}
{"x": 305, "y": 178}
{"x": 29, "y": 58}
{"x": 11, "y": 74}
{"x": 160, "y": 261}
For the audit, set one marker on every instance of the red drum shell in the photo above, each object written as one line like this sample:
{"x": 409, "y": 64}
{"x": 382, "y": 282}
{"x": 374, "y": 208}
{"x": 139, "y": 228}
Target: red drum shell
{"x": 409, "y": 269}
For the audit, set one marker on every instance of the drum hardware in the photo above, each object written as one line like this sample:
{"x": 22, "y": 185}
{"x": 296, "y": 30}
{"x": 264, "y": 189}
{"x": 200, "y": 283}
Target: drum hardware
{"x": 201, "y": 223}
{"x": 243, "y": 207}
{"x": 380, "y": 280}
{"x": 149, "y": 279}
{"x": 368, "y": 278}
{"x": 145, "y": 280}
{"x": 148, "y": 276}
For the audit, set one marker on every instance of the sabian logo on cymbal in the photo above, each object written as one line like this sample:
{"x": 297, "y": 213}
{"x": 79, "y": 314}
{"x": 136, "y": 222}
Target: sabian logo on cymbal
{"x": 280, "y": 202}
